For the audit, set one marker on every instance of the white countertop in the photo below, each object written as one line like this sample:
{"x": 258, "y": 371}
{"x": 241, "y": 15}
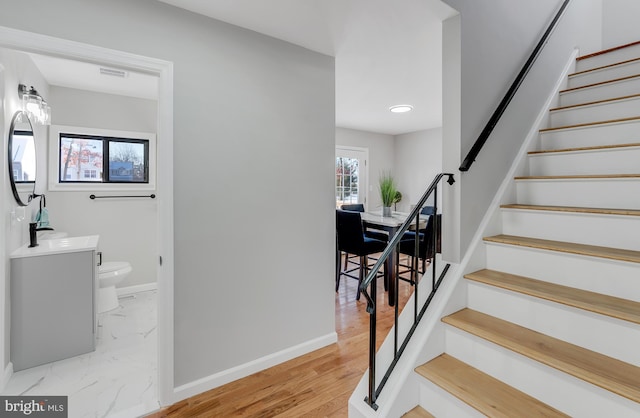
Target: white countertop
{"x": 58, "y": 246}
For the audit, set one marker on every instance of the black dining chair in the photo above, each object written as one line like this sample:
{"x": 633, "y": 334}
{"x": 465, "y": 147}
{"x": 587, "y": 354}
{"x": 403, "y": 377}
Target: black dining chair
{"x": 427, "y": 210}
{"x": 351, "y": 239}
{"x": 382, "y": 236}
{"x": 359, "y": 207}
{"x": 426, "y": 248}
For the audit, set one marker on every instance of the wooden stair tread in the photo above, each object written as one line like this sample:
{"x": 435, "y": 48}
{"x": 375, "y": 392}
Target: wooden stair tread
{"x": 593, "y": 148}
{"x": 603, "y": 67}
{"x": 418, "y": 412}
{"x": 574, "y": 209}
{"x": 580, "y": 176}
{"x": 588, "y": 124}
{"x": 606, "y": 51}
{"x": 597, "y": 102}
{"x": 568, "y": 247}
{"x": 590, "y": 301}
{"x": 603, "y": 371}
{"x": 481, "y": 391}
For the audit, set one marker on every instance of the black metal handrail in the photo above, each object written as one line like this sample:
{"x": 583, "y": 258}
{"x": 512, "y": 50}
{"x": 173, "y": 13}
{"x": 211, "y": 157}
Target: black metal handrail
{"x": 371, "y": 295}
{"x": 504, "y": 103}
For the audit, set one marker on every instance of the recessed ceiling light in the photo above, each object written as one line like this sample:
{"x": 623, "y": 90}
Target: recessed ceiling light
{"x": 401, "y": 108}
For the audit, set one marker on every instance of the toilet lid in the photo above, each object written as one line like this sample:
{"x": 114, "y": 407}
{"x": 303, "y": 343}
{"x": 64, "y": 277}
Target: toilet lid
{"x": 109, "y": 266}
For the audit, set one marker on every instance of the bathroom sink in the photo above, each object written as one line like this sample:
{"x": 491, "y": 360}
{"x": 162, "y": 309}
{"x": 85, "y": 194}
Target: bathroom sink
{"x": 58, "y": 245}
{"x": 42, "y": 235}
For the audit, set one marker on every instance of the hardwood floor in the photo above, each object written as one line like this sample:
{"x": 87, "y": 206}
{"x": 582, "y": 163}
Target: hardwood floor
{"x": 317, "y": 384}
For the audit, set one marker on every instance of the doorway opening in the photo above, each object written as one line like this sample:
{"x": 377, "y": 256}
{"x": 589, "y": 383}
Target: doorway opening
{"x": 351, "y": 176}
{"x": 26, "y": 42}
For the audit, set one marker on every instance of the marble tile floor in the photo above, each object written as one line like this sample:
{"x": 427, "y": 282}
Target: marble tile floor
{"x": 118, "y": 379}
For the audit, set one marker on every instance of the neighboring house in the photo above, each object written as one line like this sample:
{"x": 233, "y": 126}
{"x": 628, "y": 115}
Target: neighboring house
{"x": 250, "y": 289}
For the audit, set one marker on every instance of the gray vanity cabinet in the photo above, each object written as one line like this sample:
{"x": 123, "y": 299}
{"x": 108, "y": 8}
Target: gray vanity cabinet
{"x": 53, "y": 313}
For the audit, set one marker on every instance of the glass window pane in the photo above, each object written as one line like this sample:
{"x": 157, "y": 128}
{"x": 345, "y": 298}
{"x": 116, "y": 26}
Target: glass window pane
{"x": 127, "y": 161}
{"x": 79, "y": 155}
{"x": 346, "y": 181}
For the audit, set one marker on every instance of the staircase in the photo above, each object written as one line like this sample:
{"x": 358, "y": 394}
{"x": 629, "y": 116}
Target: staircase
{"x": 552, "y": 323}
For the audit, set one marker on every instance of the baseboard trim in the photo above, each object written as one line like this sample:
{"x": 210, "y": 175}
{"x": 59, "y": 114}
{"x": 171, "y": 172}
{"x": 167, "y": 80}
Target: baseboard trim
{"x": 8, "y": 372}
{"x": 215, "y": 380}
{"x": 130, "y": 290}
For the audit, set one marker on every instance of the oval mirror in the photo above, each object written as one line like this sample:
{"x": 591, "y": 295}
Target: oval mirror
{"x": 22, "y": 158}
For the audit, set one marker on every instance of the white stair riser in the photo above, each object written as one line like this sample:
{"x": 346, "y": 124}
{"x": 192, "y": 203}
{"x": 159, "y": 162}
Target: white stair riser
{"x": 600, "y": 92}
{"x": 624, "y": 160}
{"x": 612, "y": 57}
{"x": 557, "y": 389}
{"x": 607, "y": 134}
{"x": 614, "y": 231}
{"x": 595, "y": 193}
{"x": 609, "y": 277}
{"x": 576, "y": 326}
{"x": 598, "y": 112}
{"x": 604, "y": 74}
{"x": 443, "y": 404}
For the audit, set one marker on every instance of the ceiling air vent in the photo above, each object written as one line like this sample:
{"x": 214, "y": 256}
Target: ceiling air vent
{"x": 113, "y": 72}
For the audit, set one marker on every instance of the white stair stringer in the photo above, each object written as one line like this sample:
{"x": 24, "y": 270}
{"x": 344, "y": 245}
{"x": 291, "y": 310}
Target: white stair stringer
{"x": 604, "y": 230}
{"x": 620, "y": 69}
{"x": 559, "y": 321}
{"x": 629, "y": 52}
{"x": 569, "y": 394}
{"x": 616, "y": 108}
{"x": 612, "y": 133}
{"x": 580, "y": 161}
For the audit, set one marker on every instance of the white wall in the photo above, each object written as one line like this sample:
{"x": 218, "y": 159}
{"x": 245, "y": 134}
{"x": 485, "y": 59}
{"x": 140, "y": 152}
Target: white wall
{"x": 620, "y": 22}
{"x": 248, "y": 283}
{"x": 18, "y": 68}
{"x": 127, "y": 227}
{"x": 418, "y": 159}
{"x": 496, "y": 38}
{"x": 381, "y": 157}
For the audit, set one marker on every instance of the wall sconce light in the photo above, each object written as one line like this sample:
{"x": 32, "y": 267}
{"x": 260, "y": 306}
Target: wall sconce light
{"x": 34, "y": 105}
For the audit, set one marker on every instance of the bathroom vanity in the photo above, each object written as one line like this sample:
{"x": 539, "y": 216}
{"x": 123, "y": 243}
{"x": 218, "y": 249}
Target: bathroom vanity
{"x": 53, "y": 300}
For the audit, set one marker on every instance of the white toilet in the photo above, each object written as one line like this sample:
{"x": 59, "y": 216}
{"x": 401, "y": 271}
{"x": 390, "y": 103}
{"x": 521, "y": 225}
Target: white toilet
{"x": 110, "y": 273}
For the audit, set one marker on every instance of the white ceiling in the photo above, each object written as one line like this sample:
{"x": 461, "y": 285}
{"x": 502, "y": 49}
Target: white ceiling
{"x": 387, "y": 53}
{"x": 86, "y": 76}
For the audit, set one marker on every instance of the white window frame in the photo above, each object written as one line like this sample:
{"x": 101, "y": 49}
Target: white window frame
{"x": 54, "y": 160}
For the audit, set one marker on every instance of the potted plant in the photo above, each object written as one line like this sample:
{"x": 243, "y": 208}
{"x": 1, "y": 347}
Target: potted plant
{"x": 397, "y": 199}
{"x": 388, "y": 193}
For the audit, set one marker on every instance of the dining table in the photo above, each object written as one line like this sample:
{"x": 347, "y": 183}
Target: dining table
{"x": 391, "y": 225}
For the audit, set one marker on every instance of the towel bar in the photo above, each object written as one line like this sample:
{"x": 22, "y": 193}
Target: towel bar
{"x": 92, "y": 197}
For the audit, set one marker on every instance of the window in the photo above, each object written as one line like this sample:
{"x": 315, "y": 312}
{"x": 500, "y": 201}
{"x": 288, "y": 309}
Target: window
{"x": 351, "y": 176}
{"x": 346, "y": 181}
{"x": 98, "y": 159}
{"x": 90, "y": 158}
{"x": 88, "y": 174}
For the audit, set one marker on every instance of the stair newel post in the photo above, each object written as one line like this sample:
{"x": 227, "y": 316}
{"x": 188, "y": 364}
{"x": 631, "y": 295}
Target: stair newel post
{"x": 371, "y": 309}
{"x": 434, "y": 237}
{"x": 395, "y": 310}
{"x": 414, "y": 267}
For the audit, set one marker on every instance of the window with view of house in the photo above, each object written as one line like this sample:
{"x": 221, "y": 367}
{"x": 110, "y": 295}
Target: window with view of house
{"x": 87, "y": 158}
{"x": 101, "y": 159}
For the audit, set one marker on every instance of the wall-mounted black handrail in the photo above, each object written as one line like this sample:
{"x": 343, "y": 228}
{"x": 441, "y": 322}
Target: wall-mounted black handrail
{"x": 504, "y": 103}
{"x": 92, "y": 197}
{"x": 370, "y": 295}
